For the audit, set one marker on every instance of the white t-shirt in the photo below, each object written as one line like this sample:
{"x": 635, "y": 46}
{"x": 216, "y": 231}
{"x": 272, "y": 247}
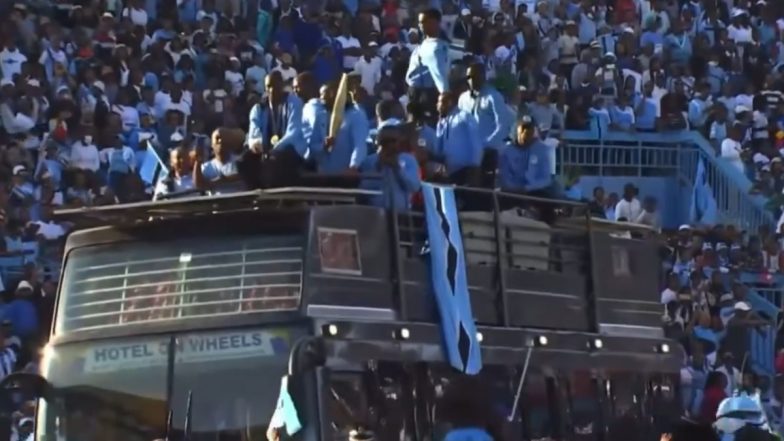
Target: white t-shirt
{"x": 138, "y": 16}
{"x": 369, "y": 72}
{"x": 730, "y": 150}
{"x": 349, "y": 43}
{"x": 236, "y": 80}
{"x": 628, "y": 209}
{"x": 11, "y": 63}
{"x": 50, "y": 230}
{"x": 85, "y": 157}
{"x": 740, "y": 35}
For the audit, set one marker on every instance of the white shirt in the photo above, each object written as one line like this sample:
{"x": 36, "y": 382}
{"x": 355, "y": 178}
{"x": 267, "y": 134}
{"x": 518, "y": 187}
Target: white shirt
{"x": 740, "y": 34}
{"x": 730, "y": 150}
{"x": 369, "y": 72}
{"x": 668, "y": 296}
{"x": 236, "y": 80}
{"x": 287, "y": 74}
{"x": 130, "y": 117}
{"x": 85, "y": 157}
{"x": 11, "y": 63}
{"x": 138, "y": 16}
{"x": 349, "y": 43}
{"x": 628, "y": 209}
{"x": 50, "y": 230}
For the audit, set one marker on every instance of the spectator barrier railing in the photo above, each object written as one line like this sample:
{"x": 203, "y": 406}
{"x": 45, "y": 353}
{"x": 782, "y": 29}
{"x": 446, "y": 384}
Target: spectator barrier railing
{"x": 767, "y": 299}
{"x": 674, "y": 154}
{"x": 763, "y": 342}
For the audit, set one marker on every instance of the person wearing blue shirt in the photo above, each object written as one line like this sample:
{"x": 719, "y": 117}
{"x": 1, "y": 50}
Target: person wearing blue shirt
{"x": 458, "y": 145}
{"x": 386, "y": 111}
{"x": 525, "y": 163}
{"x": 645, "y": 109}
{"x": 315, "y": 118}
{"x": 275, "y": 135}
{"x": 396, "y": 173}
{"x": 348, "y": 149}
{"x": 700, "y": 106}
{"x": 488, "y": 108}
{"x": 428, "y": 67}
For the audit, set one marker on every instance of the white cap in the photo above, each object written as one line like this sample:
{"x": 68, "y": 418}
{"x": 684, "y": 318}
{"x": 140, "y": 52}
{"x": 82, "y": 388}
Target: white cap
{"x": 19, "y": 169}
{"x": 24, "y": 284}
{"x": 684, "y": 227}
{"x": 742, "y": 306}
{"x": 145, "y": 136}
{"x": 24, "y": 421}
{"x": 100, "y": 86}
{"x": 465, "y": 11}
{"x": 33, "y": 83}
{"x": 176, "y": 137}
{"x": 372, "y": 44}
{"x": 107, "y": 15}
{"x": 741, "y": 108}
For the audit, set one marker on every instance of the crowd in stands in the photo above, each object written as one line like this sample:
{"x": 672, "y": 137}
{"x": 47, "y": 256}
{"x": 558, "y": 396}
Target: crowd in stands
{"x": 107, "y": 101}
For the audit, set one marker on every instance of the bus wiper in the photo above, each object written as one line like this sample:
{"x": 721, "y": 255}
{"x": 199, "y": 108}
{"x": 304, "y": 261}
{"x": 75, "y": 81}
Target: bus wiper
{"x": 188, "y": 419}
{"x": 169, "y": 419}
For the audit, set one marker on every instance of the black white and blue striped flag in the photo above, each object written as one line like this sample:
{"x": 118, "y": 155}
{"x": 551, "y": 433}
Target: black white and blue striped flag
{"x": 450, "y": 283}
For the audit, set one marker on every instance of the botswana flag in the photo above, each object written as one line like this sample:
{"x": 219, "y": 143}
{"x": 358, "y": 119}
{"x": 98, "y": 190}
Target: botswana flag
{"x": 448, "y": 274}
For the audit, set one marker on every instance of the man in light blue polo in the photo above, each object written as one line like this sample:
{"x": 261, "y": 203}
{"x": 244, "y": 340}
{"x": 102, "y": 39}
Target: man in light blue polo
{"x": 346, "y": 151}
{"x": 315, "y": 118}
{"x": 428, "y": 67}
{"x": 458, "y": 145}
{"x": 488, "y": 108}
{"x": 275, "y": 136}
{"x": 524, "y": 165}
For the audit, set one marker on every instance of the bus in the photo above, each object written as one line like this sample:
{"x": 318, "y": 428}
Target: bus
{"x": 187, "y": 317}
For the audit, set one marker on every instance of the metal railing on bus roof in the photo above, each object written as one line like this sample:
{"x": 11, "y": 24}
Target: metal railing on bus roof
{"x": 253, "y": 200}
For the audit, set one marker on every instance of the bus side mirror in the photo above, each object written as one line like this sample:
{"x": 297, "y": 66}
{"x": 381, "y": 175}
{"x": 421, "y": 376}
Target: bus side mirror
{"x": 32, "y": 386}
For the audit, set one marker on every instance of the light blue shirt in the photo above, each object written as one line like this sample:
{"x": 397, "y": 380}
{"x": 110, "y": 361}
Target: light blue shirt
{"x": 315, "y": 121}
{"x": 290, "y": 117}
{"x": 429, "y": 66}
{"x": 525, "y": 169}
{"x": 697, "y": 114}
{"x": 350, "y": 147}
{"x": 397, "y": 184}
{"x": 458, "y": 143}
{"x": 213, "y": 170}
{"x": 489, "y": 111}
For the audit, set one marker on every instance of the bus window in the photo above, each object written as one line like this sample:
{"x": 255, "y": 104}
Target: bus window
{"x": 538, "y": 406}
{"x": 582, "y": 399}
{"x": 662, "y": 403}
{"x": 348, "y": 404}
{"x": 624, "y": 392}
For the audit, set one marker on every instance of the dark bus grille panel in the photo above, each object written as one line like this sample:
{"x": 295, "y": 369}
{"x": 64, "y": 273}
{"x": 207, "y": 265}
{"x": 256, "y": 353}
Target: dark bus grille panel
{"x": 147, "y": 282}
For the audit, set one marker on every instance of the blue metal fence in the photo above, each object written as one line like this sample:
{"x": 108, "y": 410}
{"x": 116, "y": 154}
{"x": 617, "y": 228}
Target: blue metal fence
{"x": 674, "y": 154}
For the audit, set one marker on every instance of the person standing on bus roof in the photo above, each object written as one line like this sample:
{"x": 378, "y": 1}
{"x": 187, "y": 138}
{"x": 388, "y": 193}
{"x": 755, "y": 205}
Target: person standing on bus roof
{"x": 458, "y": 146}
{"x": 315, "y": 118}
{"x": 275, "y": 134}
{"x": 525, "y": 163}
{"x": 399, "y": 172}
{"x": 486, "y": 104}
{"x": 428, "y": 67}
{"x": 348, "y": 149}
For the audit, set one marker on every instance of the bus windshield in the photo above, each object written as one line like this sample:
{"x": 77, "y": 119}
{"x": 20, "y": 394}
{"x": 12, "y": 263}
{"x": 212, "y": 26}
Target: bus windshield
{"x": 119, "y": 389}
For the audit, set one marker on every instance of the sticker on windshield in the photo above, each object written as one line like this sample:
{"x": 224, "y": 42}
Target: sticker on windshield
{"x": 190, "y": 349}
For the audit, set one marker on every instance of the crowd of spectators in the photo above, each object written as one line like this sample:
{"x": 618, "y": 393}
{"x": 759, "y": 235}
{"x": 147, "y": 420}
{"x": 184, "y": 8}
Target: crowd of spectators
{"x": 233, "y": 94}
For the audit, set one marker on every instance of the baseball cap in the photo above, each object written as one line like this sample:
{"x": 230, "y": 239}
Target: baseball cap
{"x": 19, "y": 169}
{"x": 742, "y": 306}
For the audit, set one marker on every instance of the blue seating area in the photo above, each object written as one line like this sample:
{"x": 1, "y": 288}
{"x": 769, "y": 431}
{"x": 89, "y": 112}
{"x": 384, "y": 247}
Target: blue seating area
{"x": 663, "y": 165}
